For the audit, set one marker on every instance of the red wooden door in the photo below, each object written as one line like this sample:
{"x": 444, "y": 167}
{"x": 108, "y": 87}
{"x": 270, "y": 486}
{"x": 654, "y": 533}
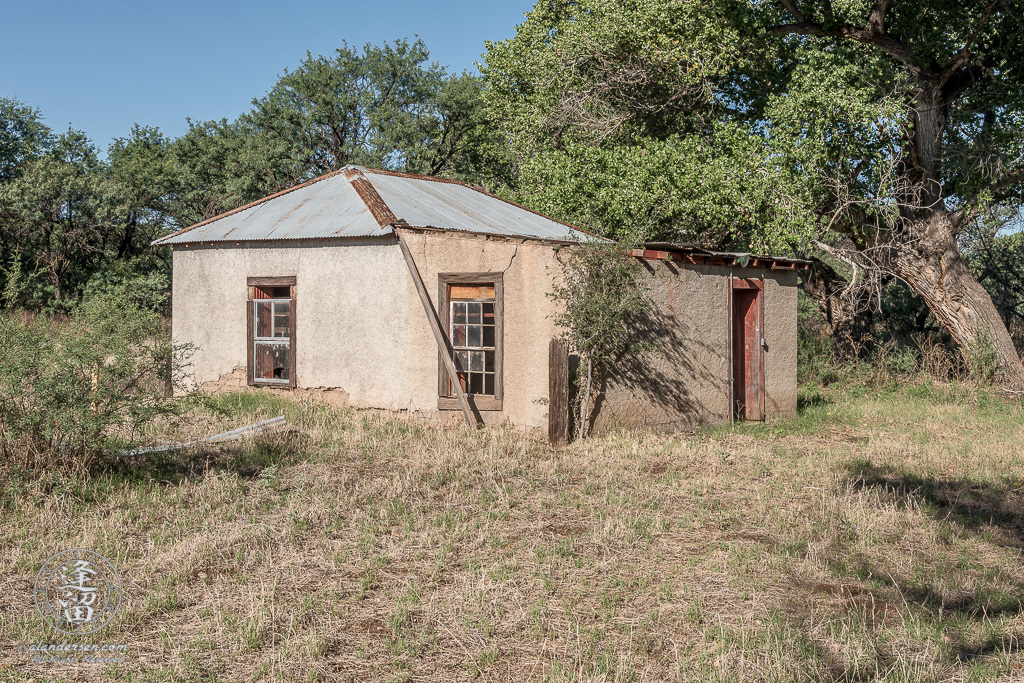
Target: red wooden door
{"x": 748, "y": 385}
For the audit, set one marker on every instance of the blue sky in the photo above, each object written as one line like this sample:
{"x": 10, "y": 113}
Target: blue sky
{"x": 102, "y": 66}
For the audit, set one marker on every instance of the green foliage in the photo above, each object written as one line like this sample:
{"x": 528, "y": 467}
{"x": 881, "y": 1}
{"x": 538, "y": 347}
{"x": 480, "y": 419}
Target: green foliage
{"x": 138, "y": 180}
{"x": 72, "y": 387}
{"x": 219, "y": 165}
{"x": 623, "y": 118}
{"x": 994, "y": 249}
{"x": 769, "y": 126}
{"x": 383, "y": 106}
{"x": 981, "y": 361}
{"x": 353, "y": 107}
{"x": 23, "y": 136}
{"x": 54, "y": 210}
{"x": 74, "y": 224}
{"x": 603, "y": 294}
{"x": 147, "y": 284}
{"x": 815, "y": 346}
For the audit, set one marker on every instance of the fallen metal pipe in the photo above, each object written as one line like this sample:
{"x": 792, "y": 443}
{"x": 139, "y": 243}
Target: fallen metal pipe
{"x": 233, "y": 435}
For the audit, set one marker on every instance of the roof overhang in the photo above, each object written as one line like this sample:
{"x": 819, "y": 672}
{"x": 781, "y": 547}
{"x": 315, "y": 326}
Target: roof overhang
{"x": 688, "y": 253}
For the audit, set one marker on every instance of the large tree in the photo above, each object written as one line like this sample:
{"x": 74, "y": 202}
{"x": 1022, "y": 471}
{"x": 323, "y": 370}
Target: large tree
{"x": 875, "y": 133}
{"x": 385, "y": 106}
{"x": 23, "y": 136}
{"x": 54, "y": 210}
{"x": 949, "y": 146}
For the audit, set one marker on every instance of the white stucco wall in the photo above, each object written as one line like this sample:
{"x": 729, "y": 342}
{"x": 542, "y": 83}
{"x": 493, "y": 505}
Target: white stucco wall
{"x": 351, "y": 308}
{"x": 360, "y": 325}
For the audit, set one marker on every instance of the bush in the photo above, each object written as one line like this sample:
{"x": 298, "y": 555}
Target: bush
{"x": 74, "y": 387}
{"x": 604, "y": 297}
{"x": 147, "y": 284}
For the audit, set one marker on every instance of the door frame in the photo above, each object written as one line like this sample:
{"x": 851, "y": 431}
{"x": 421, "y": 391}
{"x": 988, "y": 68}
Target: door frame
{"x": 758, "y": 285}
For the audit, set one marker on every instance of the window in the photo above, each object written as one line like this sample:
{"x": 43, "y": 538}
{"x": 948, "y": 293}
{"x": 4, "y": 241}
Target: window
{"x": 471, "y": 310}
{"x": 271, "y": 322}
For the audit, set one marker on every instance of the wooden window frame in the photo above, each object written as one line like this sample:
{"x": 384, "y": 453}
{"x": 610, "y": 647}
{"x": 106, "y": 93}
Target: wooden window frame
{"x": 446, "y": 399}
{"x": 287, "y": 281}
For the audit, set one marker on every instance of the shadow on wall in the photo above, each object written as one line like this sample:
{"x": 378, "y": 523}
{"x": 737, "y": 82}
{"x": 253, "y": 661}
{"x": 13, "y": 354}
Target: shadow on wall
{"x": 665, "y": 386}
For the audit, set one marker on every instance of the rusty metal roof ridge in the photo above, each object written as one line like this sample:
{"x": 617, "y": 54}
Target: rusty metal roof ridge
{"x": 476, "y": 188}
{"x": 379, "y": 209}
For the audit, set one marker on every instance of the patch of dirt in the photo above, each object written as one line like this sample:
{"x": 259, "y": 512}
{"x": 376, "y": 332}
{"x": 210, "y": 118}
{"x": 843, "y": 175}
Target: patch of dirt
{"x": 563, "y": 530}
{"x": 370, "y": 626}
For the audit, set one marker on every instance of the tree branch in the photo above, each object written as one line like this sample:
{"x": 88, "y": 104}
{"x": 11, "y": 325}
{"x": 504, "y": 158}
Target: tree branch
{"x": 792, "y": 9}
{"x": 1006, "y": 186}
{"x": 896, "y": 49}
{"x": 876, "y": 18}
{"x": 874, "y": 35}
{"x": 963, "y": 57}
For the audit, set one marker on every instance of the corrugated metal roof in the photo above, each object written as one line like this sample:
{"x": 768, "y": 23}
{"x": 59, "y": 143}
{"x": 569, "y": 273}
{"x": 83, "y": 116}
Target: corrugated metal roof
{"x": 426, "y": 203}
{"x": 330, "y": 206}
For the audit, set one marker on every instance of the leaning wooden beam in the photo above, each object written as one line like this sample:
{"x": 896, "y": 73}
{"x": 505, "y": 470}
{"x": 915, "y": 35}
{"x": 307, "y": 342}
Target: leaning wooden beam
{"x": 435, "y": 326}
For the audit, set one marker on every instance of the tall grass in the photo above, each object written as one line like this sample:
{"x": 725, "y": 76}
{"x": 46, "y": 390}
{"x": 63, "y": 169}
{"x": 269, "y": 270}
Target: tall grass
{"x": 876, "y": 536}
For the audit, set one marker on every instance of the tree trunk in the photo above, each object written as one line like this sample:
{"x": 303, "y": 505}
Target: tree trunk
{"x": 58, "y": 286}
{"x": 847, "y": 310}
{"x": 933, "y": 267}
{"x": 584, "y": 416}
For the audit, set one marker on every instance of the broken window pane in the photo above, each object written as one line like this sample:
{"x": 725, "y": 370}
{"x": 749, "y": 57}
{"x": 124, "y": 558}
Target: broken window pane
{"x": 472, "y": 330}
{"x": 271, "y": 333}
{"x": 272, "y": 362}
{"x": 268, "y": 292}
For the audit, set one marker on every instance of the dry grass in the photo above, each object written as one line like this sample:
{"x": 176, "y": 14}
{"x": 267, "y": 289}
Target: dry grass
{"x": 876, "y": 537}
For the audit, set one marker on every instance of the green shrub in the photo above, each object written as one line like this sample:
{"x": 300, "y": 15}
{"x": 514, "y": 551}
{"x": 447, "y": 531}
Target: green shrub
{"x": 148, "y": 285}
{"x": 73, "y": 387}
{"x": 606, "y": 312}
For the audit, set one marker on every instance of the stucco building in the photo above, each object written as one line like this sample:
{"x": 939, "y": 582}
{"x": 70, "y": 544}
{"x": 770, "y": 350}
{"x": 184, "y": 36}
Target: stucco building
{"x": 346, "y": 283}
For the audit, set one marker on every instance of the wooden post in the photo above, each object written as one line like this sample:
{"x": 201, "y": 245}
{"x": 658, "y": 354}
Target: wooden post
{"x": 558, "y": 393}
{"x": 95, "y": 385}
{"x": 435, "y": 327}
